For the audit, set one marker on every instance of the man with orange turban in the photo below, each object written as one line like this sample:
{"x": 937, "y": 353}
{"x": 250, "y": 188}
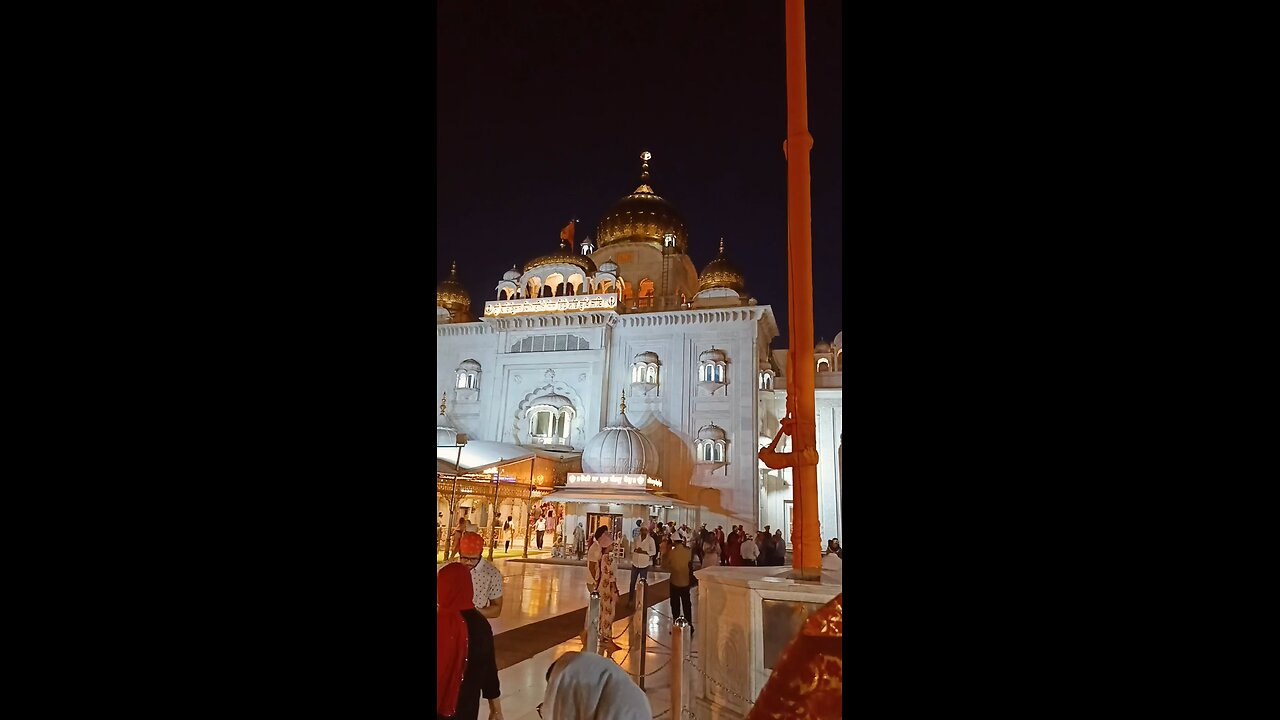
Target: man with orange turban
{"x": 486, "y": 580}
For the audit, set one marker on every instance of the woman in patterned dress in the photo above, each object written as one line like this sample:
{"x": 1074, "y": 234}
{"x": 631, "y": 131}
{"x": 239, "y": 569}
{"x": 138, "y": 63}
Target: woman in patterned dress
{"x": 600, "y": 577}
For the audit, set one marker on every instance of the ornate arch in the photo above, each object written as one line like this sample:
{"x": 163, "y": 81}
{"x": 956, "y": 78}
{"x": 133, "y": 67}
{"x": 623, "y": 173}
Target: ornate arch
{"x": 519, "y": 423}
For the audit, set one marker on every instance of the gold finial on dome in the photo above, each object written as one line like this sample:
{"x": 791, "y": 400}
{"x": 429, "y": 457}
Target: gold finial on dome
{"x": 450, "y": 294}
{"x": 642, "y": 216}
{"x": 623, "y": 411}
{"x": 644, "y": 173}
{"x": 720, "y": 273}
{"x": 442, "y": 397}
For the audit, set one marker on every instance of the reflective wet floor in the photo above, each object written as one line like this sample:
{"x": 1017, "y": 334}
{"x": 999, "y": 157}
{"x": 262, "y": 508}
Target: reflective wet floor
{"x": 533, "y": 592}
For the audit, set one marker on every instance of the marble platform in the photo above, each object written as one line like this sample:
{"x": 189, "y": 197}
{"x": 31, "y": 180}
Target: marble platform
{"x": 745, "y": 618}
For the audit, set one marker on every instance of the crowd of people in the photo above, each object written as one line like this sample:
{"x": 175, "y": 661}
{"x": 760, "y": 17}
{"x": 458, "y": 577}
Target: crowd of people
{"x": 739, "y": 547}
{"x": 469, "y": 592}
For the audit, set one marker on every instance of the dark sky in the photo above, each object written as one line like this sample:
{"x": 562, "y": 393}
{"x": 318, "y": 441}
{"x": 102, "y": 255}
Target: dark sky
{"x": 544, "y": 107}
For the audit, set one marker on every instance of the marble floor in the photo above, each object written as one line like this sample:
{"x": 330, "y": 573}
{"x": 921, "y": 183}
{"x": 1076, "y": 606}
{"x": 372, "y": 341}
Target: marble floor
{"x": 534, "y": 592}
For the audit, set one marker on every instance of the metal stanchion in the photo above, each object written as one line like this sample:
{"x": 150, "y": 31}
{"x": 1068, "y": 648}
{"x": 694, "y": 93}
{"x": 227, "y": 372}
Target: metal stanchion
{"x": 639, "y": 641}
{"x": 677, "y": 665}
{"x": 592, "y": 644}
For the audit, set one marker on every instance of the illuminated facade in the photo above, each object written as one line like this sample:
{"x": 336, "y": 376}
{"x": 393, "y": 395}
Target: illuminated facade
{"x": 565, "y": 335}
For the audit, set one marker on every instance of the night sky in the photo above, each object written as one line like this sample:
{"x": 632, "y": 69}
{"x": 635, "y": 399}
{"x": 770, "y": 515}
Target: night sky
{"x": 543, "y": 109}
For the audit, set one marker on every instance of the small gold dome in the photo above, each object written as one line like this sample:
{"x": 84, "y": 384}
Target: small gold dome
{"x": 720, "y": 273}
{"x": 564, "y": 257}
{"x": 642, "y": 216}
{"x": 450, "y": 294}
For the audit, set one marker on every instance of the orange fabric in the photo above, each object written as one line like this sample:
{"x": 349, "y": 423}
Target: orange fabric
{"x": 808, "y": 683}
{"x": 567, "y": 234}
{"x": 453, "y": 595}
{"x": 471, "y": 544}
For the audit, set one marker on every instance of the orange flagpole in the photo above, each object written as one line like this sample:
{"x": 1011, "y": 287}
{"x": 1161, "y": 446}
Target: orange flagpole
{"x": 806, "y": 534}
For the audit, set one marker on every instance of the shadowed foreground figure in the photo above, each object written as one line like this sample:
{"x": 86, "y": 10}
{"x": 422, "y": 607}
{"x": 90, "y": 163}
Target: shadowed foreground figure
{"x": 465, "y": 666}
{"x": 808, "y": 681}
{"x": 586, "y": 686}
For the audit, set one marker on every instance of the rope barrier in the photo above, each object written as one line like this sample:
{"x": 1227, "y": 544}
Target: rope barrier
{"x": 717, "y": 683}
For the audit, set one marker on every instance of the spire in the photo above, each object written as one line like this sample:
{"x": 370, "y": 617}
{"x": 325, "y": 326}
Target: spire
{"x": 442, "y": 402}
{"x": 644, "y": 173}
{"x": 623, "y": 411}
{"x": 721, "y": 247}
{"x": 453, "y": 272}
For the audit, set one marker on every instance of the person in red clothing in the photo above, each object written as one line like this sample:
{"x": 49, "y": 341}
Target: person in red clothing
{"x": 465, "y": 666}
{"x": 733, "y": 547}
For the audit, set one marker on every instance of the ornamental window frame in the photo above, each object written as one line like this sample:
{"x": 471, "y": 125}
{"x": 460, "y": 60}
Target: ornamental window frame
{"x": 466, "y": 378}
{"x": 712, "y": 451}
{"x": 549, "y": 425}
{"x": 712, "y": 371}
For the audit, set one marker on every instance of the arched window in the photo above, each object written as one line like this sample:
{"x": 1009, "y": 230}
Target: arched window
{"x": 719, "y": 372}
{"x": 766, "y": 380}
{"x": 651, "y": 373}
{"x": 550, "y": 419}
{"x": 711, "y": 451}
{"x": 468, "y": 375}
{"x": 555, "y": 281}
{"x": 669, "y": 240}
{"x": 646, "y": 293}
{"x": 840, "y": 360}
{"x": 824, "y": 365}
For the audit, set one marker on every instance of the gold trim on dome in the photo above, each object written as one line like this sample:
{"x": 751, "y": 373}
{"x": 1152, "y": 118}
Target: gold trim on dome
{"x": 731, "y": 279}
{"x": 588, "y": 267}
{"x": 453, "y": 300}
{"x": 720, "y": 273}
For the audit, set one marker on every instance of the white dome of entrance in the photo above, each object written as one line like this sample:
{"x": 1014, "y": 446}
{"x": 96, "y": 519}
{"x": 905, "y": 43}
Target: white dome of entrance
{"x": 620, "y": 448}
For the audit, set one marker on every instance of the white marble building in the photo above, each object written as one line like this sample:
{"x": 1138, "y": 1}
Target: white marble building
{"x": 566, "y": 334}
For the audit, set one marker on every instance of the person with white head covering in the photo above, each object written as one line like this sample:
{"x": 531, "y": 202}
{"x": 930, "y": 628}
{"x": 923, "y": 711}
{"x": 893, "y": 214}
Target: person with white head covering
{"x": 586, "y": 686}
{"x": 678, "y": 561}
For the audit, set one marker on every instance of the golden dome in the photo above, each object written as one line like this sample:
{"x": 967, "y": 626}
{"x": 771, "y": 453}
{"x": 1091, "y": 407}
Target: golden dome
{"x": 564, "y": 257}
{"x": 642, "y": 216}
{"x": 720, "y": 273}
{"x": 450, "y": 294}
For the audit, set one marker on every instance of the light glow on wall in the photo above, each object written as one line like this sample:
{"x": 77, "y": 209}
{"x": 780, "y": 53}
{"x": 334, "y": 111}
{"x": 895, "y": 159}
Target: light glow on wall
{"x": 563, "y": 303}
{"x": 625, "y": 480}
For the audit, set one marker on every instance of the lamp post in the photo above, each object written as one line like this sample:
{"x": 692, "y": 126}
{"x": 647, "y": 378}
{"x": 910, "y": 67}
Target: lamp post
{"x": 529, "y": 514}
{"x": 497, "y": 478}
{"x": 453, "y": 495}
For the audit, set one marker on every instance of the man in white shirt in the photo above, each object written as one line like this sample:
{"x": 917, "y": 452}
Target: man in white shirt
{"x": 642, "y": 553}
{"x": 486, "y": 580}
{"x": 541, "y": 527}
{"x": 749, "y": 550}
